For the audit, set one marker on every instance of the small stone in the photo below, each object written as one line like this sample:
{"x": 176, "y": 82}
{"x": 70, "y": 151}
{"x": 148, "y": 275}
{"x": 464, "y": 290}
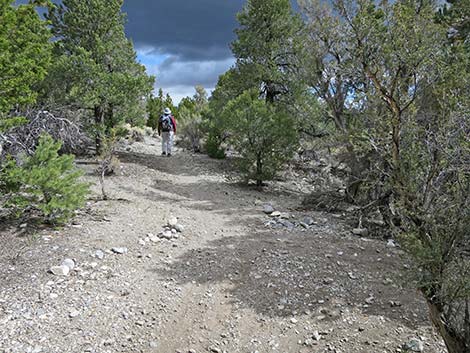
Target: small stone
{"x": 414, "y": 345}
{"x": 215, "y": 350}
{"x": 268, "y": 209}
{"x": 74, "y": 313}
{"x": 370, "y": 300}
{"x": 316, "y": 335}
{"x": 173, "y": 221}
{"x": 69, "y": 263}
{"x": 293, "y": 320}
{"x": 308, "y": 221}
{"x": 362, "y": 232}
{"x": 275, "y": 214}
{"x": 153, "y": 344}
{"x": 305, "y": 225}
{"x": 154, "y": 239}
{"x": 179, "y": 228}
{"x": 174, "y": 231}
{"x": 142, "y": 242}
{"x": 60, "y": 270}
{"x": 391, "y": 243}
{"x": 119, "y": 250}
{"x": 167, "y": 235}
{"x": 99, "y": 254}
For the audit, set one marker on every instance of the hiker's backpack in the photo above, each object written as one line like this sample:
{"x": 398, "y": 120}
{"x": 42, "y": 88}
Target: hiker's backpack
{"x": 166, "y": 123}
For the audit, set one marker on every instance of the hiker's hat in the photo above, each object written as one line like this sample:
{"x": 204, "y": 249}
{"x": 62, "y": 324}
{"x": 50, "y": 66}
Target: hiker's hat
{"x": 167, "y": 111}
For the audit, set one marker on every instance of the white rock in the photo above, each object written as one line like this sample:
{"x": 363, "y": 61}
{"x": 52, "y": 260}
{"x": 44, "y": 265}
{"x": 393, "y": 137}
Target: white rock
{"x": 179, "y": 228}
{"x": 60, "y": 270}
{"x": 74, "y": 313}
{"x": 275, "y": 214}
{"x": 99, "y": 254}
{"x": 316, "y": 336}
{"x": 293, "y": 320}
{"x": 363, "y": 232}
{"x": 174, "y": 231}
{"x": 173, "y": 221}
{"x": 119, "y": 250}
{"x": 69, "y": 263}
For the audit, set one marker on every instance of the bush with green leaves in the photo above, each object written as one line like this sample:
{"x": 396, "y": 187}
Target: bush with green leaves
{"x": 46, "y": 182}
{"x": 263, "y": 134}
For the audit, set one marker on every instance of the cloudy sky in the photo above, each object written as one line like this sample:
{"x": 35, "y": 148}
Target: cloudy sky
{"x": 183, "y": 42}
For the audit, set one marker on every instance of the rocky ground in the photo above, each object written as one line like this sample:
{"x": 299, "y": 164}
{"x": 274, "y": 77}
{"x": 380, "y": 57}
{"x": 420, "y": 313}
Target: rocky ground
{"x": 238, "y": 270}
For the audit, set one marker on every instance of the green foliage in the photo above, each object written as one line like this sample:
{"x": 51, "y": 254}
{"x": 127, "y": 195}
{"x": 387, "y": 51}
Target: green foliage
{"x": 96, "y": 67}
{"x": 213, "y": 146}
{"x": 266, "y": 48}
{"x": 264, "y": 135}
{"x": 46, "y": 182}
{"x": 25, "y": 54}
{"x": 192, "y": 115}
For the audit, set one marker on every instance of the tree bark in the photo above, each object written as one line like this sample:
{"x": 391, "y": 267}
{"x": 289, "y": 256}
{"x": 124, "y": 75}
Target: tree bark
{"x": 455, "y": 343}
{"x": 99, "y": 125}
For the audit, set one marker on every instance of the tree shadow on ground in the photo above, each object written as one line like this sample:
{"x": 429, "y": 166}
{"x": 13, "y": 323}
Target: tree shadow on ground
{"x": 280, "y": 273}
{"x": 178, "y": 164}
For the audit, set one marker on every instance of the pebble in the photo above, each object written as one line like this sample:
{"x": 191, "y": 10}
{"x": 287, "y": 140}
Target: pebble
{"x": 173, "y": 221}
{"x": 363, "y": 232}
{"x": 293, "y": 320}
{"x": 60, "y": 270}
{"x": 316, "y": 336}
{"x": 179, "y": 228}
{"x": 268, "y": 209}
{"x": 99, "y": 254}
{"x": 74, "y": 313}
{"x": 275, "y": 214}
{"x": 414, "y": 345}
{"x": 119, "y": 250}
{"x": 69, "y": 263}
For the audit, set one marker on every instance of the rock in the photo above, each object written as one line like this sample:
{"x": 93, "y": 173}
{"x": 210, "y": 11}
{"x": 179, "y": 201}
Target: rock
{"x": 167, "y": 235}
{"x": 304, "y": 225}
{"x": 154, "y": 239}
{"x": 119, "y": 250}
{"x": 69, "y": 263}
{"x": 287, "y": 224}
{"x": 275, "y": 214}
{"x": 142, "y": 242}
{"x": 414, "y": 345}
{"x": 362, "y": 232}
{"x": 370, "y": 300}
{"x": 293, "y": 320}
{"x": 308, "y": 221}
{"x": 215, "y": 350}
{"x": 153, "y": 344}
{"x": 173, "y": 221}
{"x": 99, "y": 254}
{"x": 174, "y": 231}
{"x": 60, "y": 270}
{"x": 268, "y": 209}
{"x": 391, "y": 243}
{"x": 179, "y": 228}
{"x": 316, "y": 336}
{"x": 74, "y": 313}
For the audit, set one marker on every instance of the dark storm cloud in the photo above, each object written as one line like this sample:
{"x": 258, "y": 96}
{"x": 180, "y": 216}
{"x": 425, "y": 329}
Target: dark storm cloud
{"x": 189, "y": 29}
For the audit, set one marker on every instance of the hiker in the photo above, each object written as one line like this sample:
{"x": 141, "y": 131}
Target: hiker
{"x": 167, "y": 129}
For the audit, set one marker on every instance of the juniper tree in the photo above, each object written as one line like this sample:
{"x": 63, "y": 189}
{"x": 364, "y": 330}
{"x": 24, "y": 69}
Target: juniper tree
{"x": 25, "y": 53}
{"x": 97, "y": 68}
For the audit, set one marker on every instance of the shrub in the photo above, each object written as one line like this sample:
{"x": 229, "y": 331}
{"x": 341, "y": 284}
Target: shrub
{"x": 213, "y": 145}
{"x": 45, "y": 182}
{"x": 264, "y": 135}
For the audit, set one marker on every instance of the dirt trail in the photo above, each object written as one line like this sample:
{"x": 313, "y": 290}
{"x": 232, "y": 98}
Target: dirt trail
{"x": 228, "y": 284}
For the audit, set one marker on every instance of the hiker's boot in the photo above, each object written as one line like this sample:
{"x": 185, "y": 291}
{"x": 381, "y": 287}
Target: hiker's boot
{"x": 163, "y": 153}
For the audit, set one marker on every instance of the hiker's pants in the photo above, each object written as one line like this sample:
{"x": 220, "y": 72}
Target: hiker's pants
{"x": 167, "y": 141}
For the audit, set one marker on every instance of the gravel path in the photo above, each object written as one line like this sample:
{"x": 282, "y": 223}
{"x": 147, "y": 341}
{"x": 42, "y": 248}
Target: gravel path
{"x": 227, "y": 283}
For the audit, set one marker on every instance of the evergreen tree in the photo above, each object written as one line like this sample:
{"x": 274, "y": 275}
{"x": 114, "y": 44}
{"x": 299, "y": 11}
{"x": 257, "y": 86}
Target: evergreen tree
{"x": 99, "y": 62}
{"x": 25, "y": 53}
{"x": 267, "y": 46}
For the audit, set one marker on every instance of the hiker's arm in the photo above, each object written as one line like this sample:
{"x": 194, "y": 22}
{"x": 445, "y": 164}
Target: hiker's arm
{"x": 173, "y": 120}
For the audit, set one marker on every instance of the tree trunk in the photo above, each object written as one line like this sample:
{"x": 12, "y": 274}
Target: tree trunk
{"x": 454, "y": 342}
{"x": 99, "y": 126}
{"x": 259, "y": 172}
